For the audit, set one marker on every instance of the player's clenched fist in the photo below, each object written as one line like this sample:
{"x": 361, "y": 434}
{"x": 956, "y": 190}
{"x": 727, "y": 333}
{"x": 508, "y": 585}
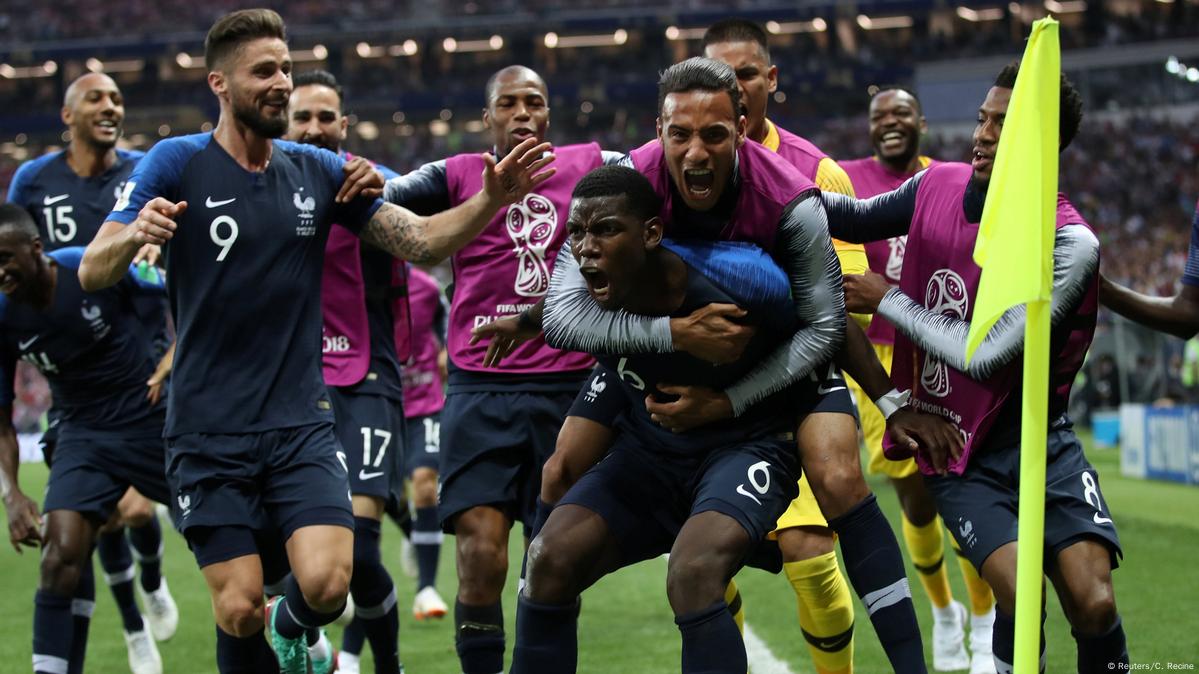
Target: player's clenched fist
{"x": 155, "y": 223}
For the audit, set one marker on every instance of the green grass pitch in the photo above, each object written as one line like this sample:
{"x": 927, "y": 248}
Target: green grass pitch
{"x": 626, "y": 625}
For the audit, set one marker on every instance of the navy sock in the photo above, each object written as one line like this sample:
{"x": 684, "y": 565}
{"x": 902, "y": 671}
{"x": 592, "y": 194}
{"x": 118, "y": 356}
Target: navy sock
{"x": 426, "y": 536}
{"x": 295, "y": 617}
{"x": 117, "y": 562}
{"x": 711, "y": 642}
{"x": 375, "y": 598}
{"x": 1003, "y": 642}
{"x": 147, "y": 549}
{"x": 479, "y": 637}
{"x": 1105, "y": 652}
{"x": 353, "y": 637}
{"x": 53, "y": 629}
{"x": 547, "y": 638}
{"x": 82, "y": 607}
{"x": 875, "y": 569}
{"x": 244, "y": 655}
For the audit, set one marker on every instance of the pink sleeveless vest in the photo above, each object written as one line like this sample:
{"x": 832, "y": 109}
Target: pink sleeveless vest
{"x": 871, "y": 178}
{"x": 768, "y": 184}
{"x": 507, "y": 268}
{"x": 939, "y": 270}
{"x": 423, "y": 394}
{"x": 799, "y": 152}
{"x": 345, "y": 331}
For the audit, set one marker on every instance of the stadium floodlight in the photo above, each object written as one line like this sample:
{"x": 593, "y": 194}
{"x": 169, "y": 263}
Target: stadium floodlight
{"x": 320, "y": 52}
{"x": 95, "y": 65}
{"x": 1172, "y": 65}
{"x": 617, "y": 38}
{"x": 551, "y": 40}
{"x": 884, "y": 22}
{"x": 410, "y": 47}
{"x": 817, "y": 25}
{"x": 977, "y": 15}
{"x": 1193, "y": 74}
{"x": 7, "y": 72}
{"x": 1066, "y": 6}
{"x": 493, "y": 43}
{"x": 674, "y": 33}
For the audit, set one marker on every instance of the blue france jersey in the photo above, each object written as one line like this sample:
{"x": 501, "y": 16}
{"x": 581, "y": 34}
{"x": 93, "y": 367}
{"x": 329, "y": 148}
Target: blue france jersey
{"x": 68, "y": 208}
{"x": 1190, "y": 275}
{"x": 244, "y": 275}
{"x": 639, "y": 375}
{"x": 90, "y": 347}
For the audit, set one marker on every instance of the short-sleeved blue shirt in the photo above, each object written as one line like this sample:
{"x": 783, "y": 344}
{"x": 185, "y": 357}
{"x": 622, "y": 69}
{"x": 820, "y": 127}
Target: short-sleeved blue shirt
{"x": 90, "y": 347}
{"x": 244, "y": 275}
{"x": 67, "y": 207}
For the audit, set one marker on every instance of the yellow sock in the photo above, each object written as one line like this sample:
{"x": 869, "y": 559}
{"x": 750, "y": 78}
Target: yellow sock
{"x": 982, "y": 600}
{"x": 825, "y": 612}
{"x": 926, "y": 546}
{"x": 732, "y": 597}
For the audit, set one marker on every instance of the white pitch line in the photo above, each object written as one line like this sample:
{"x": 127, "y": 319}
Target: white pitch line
{"x": 761, "y": 660}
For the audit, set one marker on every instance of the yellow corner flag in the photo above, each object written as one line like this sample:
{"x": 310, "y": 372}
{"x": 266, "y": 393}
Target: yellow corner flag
{"x": 1015, "y": 251}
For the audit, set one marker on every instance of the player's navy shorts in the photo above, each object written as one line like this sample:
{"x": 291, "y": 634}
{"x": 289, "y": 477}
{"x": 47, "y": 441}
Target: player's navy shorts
{"x": 370, "y": 429}
{"x": 601, "y": 399}
{"x": 980, "y": 506}
{"x": 423, "y": 443}
{"x": 646, "y": 498}
{"x": 284, "y": 478}
{"x": 92, "y": 471}
{"x": 492, "y": 448}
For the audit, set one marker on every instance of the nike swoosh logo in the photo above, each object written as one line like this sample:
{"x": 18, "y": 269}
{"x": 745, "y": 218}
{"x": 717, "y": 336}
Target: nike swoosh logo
{"x": 213, "y": 204}
{"x": 54, "y": 200}
{"x": 363, "y": 475}
{"x": 1101, "y": 520}
{"x": 741, "y": 490}
{"x": 823, "y": 390}
{"x": 25, "y": 345}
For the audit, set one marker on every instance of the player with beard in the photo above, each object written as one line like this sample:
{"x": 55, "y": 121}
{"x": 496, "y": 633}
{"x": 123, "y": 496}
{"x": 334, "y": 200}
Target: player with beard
{"x": 68, "y": 193}
{"x": 251, "y": 449}
{"x": 499, "y": 426}
{"x": 1178, "y": 314}
{"x": 896, "y": 126}
{"x": 359, "y": 284}
{"x": 93, "y": 350}
{"x": 976, "y": 491}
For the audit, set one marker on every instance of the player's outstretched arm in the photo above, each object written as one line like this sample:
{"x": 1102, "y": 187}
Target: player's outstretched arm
{"x": 1075, "y": 263}
{"x": 1177, "y": 315}
{"x": 815, "y": 276}
{"x": 875, "y": 219}
{"x": 428, "y": 240}
{"x": 24, "y": 520}
{"x": 106, "y": 259}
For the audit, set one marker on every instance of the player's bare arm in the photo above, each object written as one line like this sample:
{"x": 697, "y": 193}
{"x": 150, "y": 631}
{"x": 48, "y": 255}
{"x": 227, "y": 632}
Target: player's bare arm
{"x": 428, "y": 240}
{"x": 1177, "y": 315}
{"x": 107, "y": 257}
{"x": 24, "y": 519}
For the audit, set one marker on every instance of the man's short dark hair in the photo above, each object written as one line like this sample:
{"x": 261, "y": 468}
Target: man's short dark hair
{"x": 738, "y": 30}
{"x": 614, "y": 181}
{"x": 699, "y": 74}
{"x": 233, "y": 30}
{"x": 322, "y": 78}
{"x": 876, "y": 90}
{"x": 1070, "y": 112}
{"x": 17, "y": 218}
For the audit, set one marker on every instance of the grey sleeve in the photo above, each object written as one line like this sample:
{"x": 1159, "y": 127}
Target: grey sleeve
{"x": 1075, "y": 262}
{"x": 875, "y": 219}
{"x": 815, "y": 274}
{"x": 616, "y": 159}
{"x": 424, "y": 191}
{"x": 573, "y": 321}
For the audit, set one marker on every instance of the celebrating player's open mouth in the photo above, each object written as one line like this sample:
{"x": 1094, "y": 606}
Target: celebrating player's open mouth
{"x": 597, "y": 282}
{"x": 699, "y": 182}
{"x": 521, "y": 134}
{"x": 981, "y": 159}
{"x": 893, "y": 141}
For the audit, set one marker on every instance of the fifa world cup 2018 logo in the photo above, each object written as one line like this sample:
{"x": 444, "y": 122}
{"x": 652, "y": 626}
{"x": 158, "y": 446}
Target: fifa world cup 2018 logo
{"x": 946, "y": 295}
{"x": 894, "y": 267}
{"x": 531, "y": 224}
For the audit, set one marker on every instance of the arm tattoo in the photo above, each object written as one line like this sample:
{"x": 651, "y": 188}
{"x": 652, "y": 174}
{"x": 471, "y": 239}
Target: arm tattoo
{"x": 399, "y": 232}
